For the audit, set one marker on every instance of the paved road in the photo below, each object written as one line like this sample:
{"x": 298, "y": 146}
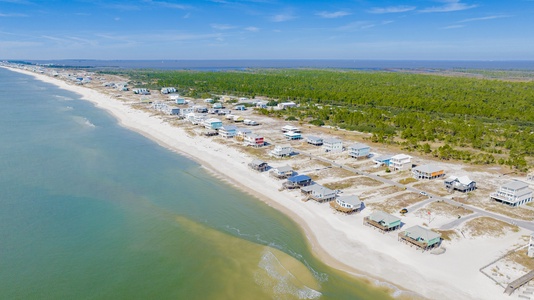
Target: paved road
{"x": 459, "y": 221}
{"x": 480, "y": 212}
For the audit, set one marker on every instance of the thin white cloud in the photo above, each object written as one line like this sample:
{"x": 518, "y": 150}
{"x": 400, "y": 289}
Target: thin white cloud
{"x": 283, "y": 17}
{"x": 452, "y": 27}
{"x": 332, "y": 15}
{"x": 187, "y": 16}
{"x": 17, "y": 44}
{"x": 222, "y": 26}
{"x": 355, "y": 26}
{"x": 168, "y": 4}
{"x": 484, "y": 18}
{"x": 391, "y": 9}
{"x": 448, "y": 6}
{"x": 252, "y": 29}
{"x": 12, "y": 15}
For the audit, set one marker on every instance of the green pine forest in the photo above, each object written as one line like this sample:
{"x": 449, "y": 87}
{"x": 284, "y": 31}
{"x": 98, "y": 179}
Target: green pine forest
{"x": 474, "y": 120}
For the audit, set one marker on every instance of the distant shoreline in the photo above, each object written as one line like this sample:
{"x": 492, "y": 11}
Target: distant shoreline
{"x": 372, "y": 65}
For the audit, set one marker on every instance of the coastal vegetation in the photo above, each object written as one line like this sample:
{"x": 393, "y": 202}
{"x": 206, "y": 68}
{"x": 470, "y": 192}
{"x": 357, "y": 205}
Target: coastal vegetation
{"x": 475, "y": 120}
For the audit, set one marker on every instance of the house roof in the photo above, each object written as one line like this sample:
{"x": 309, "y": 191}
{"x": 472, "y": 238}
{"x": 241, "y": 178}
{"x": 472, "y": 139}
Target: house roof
{"x": 332, "y": 141}
{"x": 358, "y": 146}
{"x": 213, "y": 120}
{"x": 379, "y": 216}
{"x": 417, "y": 232}
{"x": 284, "y": 169}
{"x": 253, "y": 136}
{"x": 283, "y": 146}
{"x": 463, "y": 179}
{"x": 515, "y": 185}
{"x": 350, "y": 199}
{"x": 383, "y": 158}
{"x": 401, "y": 156}
{"x": 257, "y": 162}
{"x": 428, "y": 168}
{"x": 313, "y": 138}
{"x": 318, "y": 189}
{"x": 289, "y": 127}
{"x": 228, "y": 127}
{"x": 299, "y": 178}
{"x": 244, "y": 130}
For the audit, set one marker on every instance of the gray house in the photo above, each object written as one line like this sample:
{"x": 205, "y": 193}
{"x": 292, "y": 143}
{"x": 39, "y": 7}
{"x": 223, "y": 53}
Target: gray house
{"x": 282, "y": 172}
{"x": 420, "y": 237}
{"x": 258, "y": 165}
{"x": 318, "y": 193}
{"x": 462, "y": 184}
{"x": 314, "y": 140}
{"x": 347, "y": 204}
{"x": 359, "y": 150}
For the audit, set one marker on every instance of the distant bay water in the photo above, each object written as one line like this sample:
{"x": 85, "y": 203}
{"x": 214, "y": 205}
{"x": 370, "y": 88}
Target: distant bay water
{"x": 218, "y": 65}
{"x": 90, "y": 210}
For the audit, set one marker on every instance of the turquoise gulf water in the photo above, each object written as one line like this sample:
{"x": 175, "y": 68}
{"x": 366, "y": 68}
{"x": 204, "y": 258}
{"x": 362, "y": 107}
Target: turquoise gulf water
{"x": 90, "y": 210}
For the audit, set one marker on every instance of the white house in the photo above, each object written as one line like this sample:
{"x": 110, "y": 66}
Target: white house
{"x": 186, "y": 111}
{"x": 514, "y": 193}
{"x": 212, "y": 123}
{"x": 290, "y": 128}
{"x": 241, "y": 133}
{"x": 332, "y": 145}
{"x": 400, "y": 162}
{"x": 285, "y": 105}
{"x": 168, "y": 90}
{"x": 254, "y": 140}
{"x": 347, "y": 204}
{"x": 282, "y": 150}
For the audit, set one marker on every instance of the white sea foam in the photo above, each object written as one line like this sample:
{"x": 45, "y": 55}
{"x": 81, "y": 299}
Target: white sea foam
{"x": 84, "y": 122}
{"x": 63, "y": 97}
{"x": 273, "y": 276}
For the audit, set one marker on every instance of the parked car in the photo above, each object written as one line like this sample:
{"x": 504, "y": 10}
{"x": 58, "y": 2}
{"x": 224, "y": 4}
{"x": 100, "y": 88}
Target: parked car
{"x": 423, "y": 193}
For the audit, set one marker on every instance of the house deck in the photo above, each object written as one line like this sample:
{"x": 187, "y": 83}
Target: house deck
{"x": 410, "y": 241}
{"x": 319, "y": 199}
{"x": 514, "y": 285}
{"x": 279, "y": 176}
{"x": 342, "y": 209}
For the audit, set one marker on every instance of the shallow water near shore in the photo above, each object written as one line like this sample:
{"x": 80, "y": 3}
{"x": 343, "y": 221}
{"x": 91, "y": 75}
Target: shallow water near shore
{"x": 90, "y": 210}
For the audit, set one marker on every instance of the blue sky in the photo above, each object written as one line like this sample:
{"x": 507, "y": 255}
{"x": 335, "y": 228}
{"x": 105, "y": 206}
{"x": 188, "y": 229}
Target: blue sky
{"x": 267, "y": 29}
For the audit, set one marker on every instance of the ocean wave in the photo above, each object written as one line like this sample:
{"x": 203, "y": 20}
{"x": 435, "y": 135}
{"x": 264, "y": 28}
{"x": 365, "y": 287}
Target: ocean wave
{"x": 321, "y": 277}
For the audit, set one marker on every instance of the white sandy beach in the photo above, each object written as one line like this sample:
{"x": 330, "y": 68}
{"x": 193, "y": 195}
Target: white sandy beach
{"x": 339, "y": 240}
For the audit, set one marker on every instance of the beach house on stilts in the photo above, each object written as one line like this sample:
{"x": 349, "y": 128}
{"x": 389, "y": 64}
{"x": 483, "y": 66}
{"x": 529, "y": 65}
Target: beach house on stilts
{"x": 383, "y": 221}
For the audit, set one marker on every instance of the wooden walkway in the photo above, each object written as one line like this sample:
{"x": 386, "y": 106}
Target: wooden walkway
{"x": 514, "y": 285}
